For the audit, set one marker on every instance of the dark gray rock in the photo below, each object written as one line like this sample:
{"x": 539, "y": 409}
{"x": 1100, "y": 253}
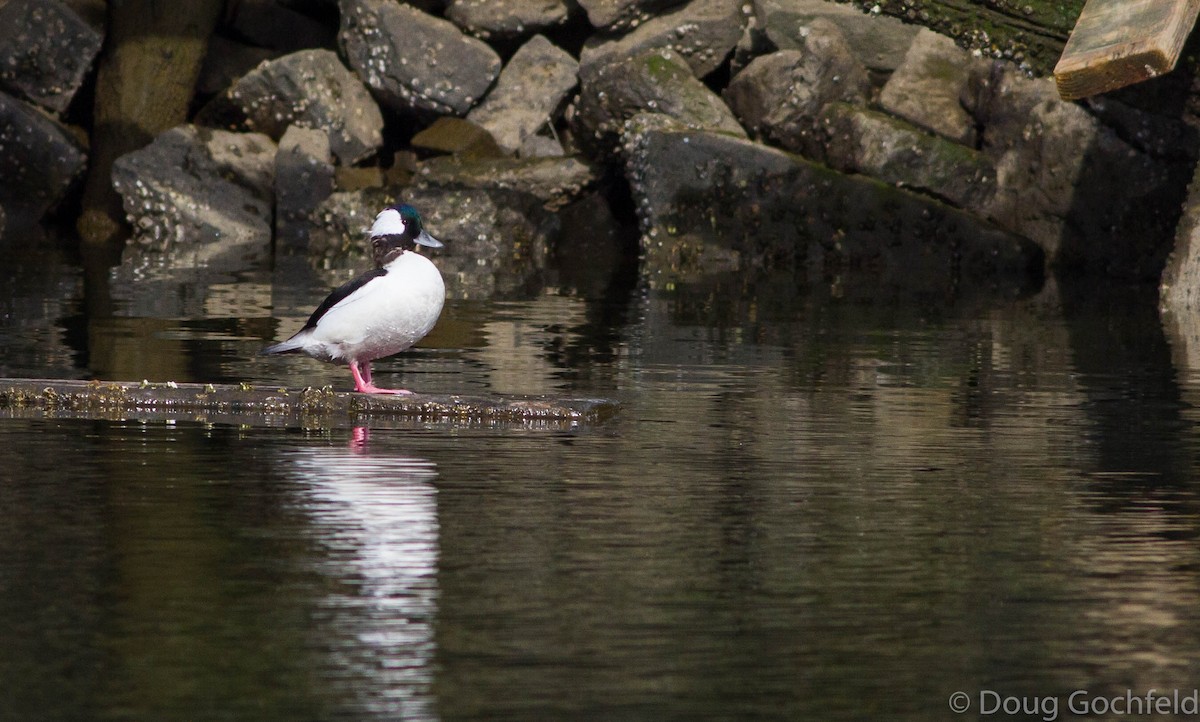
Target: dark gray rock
{"x": 304, "y": 178}
{"x": 658, "y": 81}
{"x": 1170, "y": 137}
{"x": 858, "y": 140}
{"x": 507, "y": 19}
{"x": 39, "y": 160}
{"x": 1001, "y": 98}
{"x": 414, "y": 62}
{"x": 710, "y": 202}
{"x": 926, "y": 88}
{"x": 621, "y": 15}
{"x": 45, "y": 51}
{"x": 702, "y": 32}
{"x": 1179, "y": 290}
{"x": 1092, "y": 201}
{"x": 778, "y": 97}
{"x": 496, "y": 241}
{"x": 198, "y": 198}
{"x": 880, "y": 42}
{"x": 311, "y": 89}
{"x": 528, "y": 96}
{"x": 1067, "y": 180}
{"x": 555, "y": 182}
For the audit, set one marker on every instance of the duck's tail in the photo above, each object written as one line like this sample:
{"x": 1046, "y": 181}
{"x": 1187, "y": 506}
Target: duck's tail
{"x": 292, "y": 344}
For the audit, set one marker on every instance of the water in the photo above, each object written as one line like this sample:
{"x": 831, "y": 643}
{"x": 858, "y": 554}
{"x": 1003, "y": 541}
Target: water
{"x": 808, "y": 507}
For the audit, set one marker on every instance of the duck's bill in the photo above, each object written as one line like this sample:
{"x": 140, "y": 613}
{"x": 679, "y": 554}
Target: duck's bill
{"x": 427, "y": 240}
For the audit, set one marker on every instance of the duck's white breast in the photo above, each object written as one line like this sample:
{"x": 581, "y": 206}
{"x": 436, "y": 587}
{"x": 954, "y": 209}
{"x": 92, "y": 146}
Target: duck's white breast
{"x": 387, "y": 315}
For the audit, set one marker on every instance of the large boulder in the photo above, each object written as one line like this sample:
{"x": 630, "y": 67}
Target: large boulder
{"x": 926, "y": 89}
{"x": 620, "y": 15}
{"x": 778, "y": 97}
{"x": 532, "y": 89}
{"x": 311, "y": 89}
{"x": 702, "y": 32}
{"x": 880, "y": 42}
{"x": 505, "y": 19}
{"x": 857, "y": 140}
{"x": 198, "y": 198}
{"x": 555, "y": 182}
{"x": 1091, "y": 200}
{"x": 709, "y": 201}
{"x": 497, "y": 242}
{"x": 45, "y": 51}
{"x": 658, "y": 81}
{"x": 414, "y": 62}
{"x": 304, "y": 178}
{"x": 39, "y": 160}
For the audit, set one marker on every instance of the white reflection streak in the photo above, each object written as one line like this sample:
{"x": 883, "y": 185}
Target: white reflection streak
{"x": 377, "y": 518}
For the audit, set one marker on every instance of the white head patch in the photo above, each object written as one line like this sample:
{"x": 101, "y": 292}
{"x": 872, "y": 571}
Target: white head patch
{"x": 387, "y": 223}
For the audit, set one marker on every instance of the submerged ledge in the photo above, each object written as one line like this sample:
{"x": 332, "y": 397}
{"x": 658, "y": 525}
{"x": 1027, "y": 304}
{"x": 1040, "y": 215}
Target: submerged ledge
{"x": 269, "y": 405}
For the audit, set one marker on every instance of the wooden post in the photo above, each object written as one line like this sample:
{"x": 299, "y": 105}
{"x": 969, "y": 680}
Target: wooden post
{"x": 1120, "y": 42}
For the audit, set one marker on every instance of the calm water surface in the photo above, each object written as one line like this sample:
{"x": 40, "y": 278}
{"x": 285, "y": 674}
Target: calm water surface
{"x": 808, "y": 507}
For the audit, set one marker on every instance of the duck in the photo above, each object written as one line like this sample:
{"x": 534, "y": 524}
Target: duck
{"x": 383, "y": 311}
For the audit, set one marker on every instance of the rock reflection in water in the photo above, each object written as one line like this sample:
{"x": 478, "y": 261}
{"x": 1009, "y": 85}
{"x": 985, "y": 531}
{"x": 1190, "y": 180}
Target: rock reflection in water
{"x": 376, "y": 518}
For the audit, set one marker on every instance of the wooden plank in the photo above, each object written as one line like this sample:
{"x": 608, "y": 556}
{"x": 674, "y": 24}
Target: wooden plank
{"x": 1120, "y": 42}
{"x": 274, "y": 406}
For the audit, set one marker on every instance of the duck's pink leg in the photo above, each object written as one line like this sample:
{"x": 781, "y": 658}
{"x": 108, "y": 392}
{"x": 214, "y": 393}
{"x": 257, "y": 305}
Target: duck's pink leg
{"x": 362, "y": 381}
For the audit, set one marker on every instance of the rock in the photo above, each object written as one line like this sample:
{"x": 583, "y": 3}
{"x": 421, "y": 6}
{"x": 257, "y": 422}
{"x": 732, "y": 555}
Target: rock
{"x": 880, "y": 42}
{"x": 1099, "y": 190}
{"x": 457, "y": 137}
{"x": 858, "y": 140}
{"x": 507, "y": 19}
{"x": 553, "y": 181}
{"x": 1161, "y": 136}
{"x": 1001, "y": 98}
{"x": 1093, "y": 202}
{"x": 620, "y": 15}
{"x": 45, "y": 51}
{"x": 311, "y": 89}
{"x": 925, "y": 89}
{"x": 415, "y": 62}
{"x": 528, "y": 96}
{"x": 708, "y": 201}
{"x": 778, "y": 97}
{"x": 702, "y": 32}
{"x": 496, "y": 241}
{"x": 304, "y": 178}
{"x": 198, "y": 198}
{"x": 39, "y": 160}
{"x": 658, "y": 81}
{"x": 352, "y": 179}
{"x": 1179, "y": 290}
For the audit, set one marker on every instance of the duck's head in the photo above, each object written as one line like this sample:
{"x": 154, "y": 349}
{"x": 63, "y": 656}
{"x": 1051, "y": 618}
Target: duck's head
{"x": 398, "y": 229}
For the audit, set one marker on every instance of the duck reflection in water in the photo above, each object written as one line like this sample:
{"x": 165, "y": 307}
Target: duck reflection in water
{"x": 374, "y": 519}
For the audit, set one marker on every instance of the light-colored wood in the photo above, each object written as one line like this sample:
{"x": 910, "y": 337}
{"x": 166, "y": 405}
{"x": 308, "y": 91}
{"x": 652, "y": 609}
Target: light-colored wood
{"x": 1120, "y": 42}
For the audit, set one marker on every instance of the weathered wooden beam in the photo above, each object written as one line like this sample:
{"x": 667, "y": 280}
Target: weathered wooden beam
{"x": 271, "y": 405}
{"x": 1120, "y": 42}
